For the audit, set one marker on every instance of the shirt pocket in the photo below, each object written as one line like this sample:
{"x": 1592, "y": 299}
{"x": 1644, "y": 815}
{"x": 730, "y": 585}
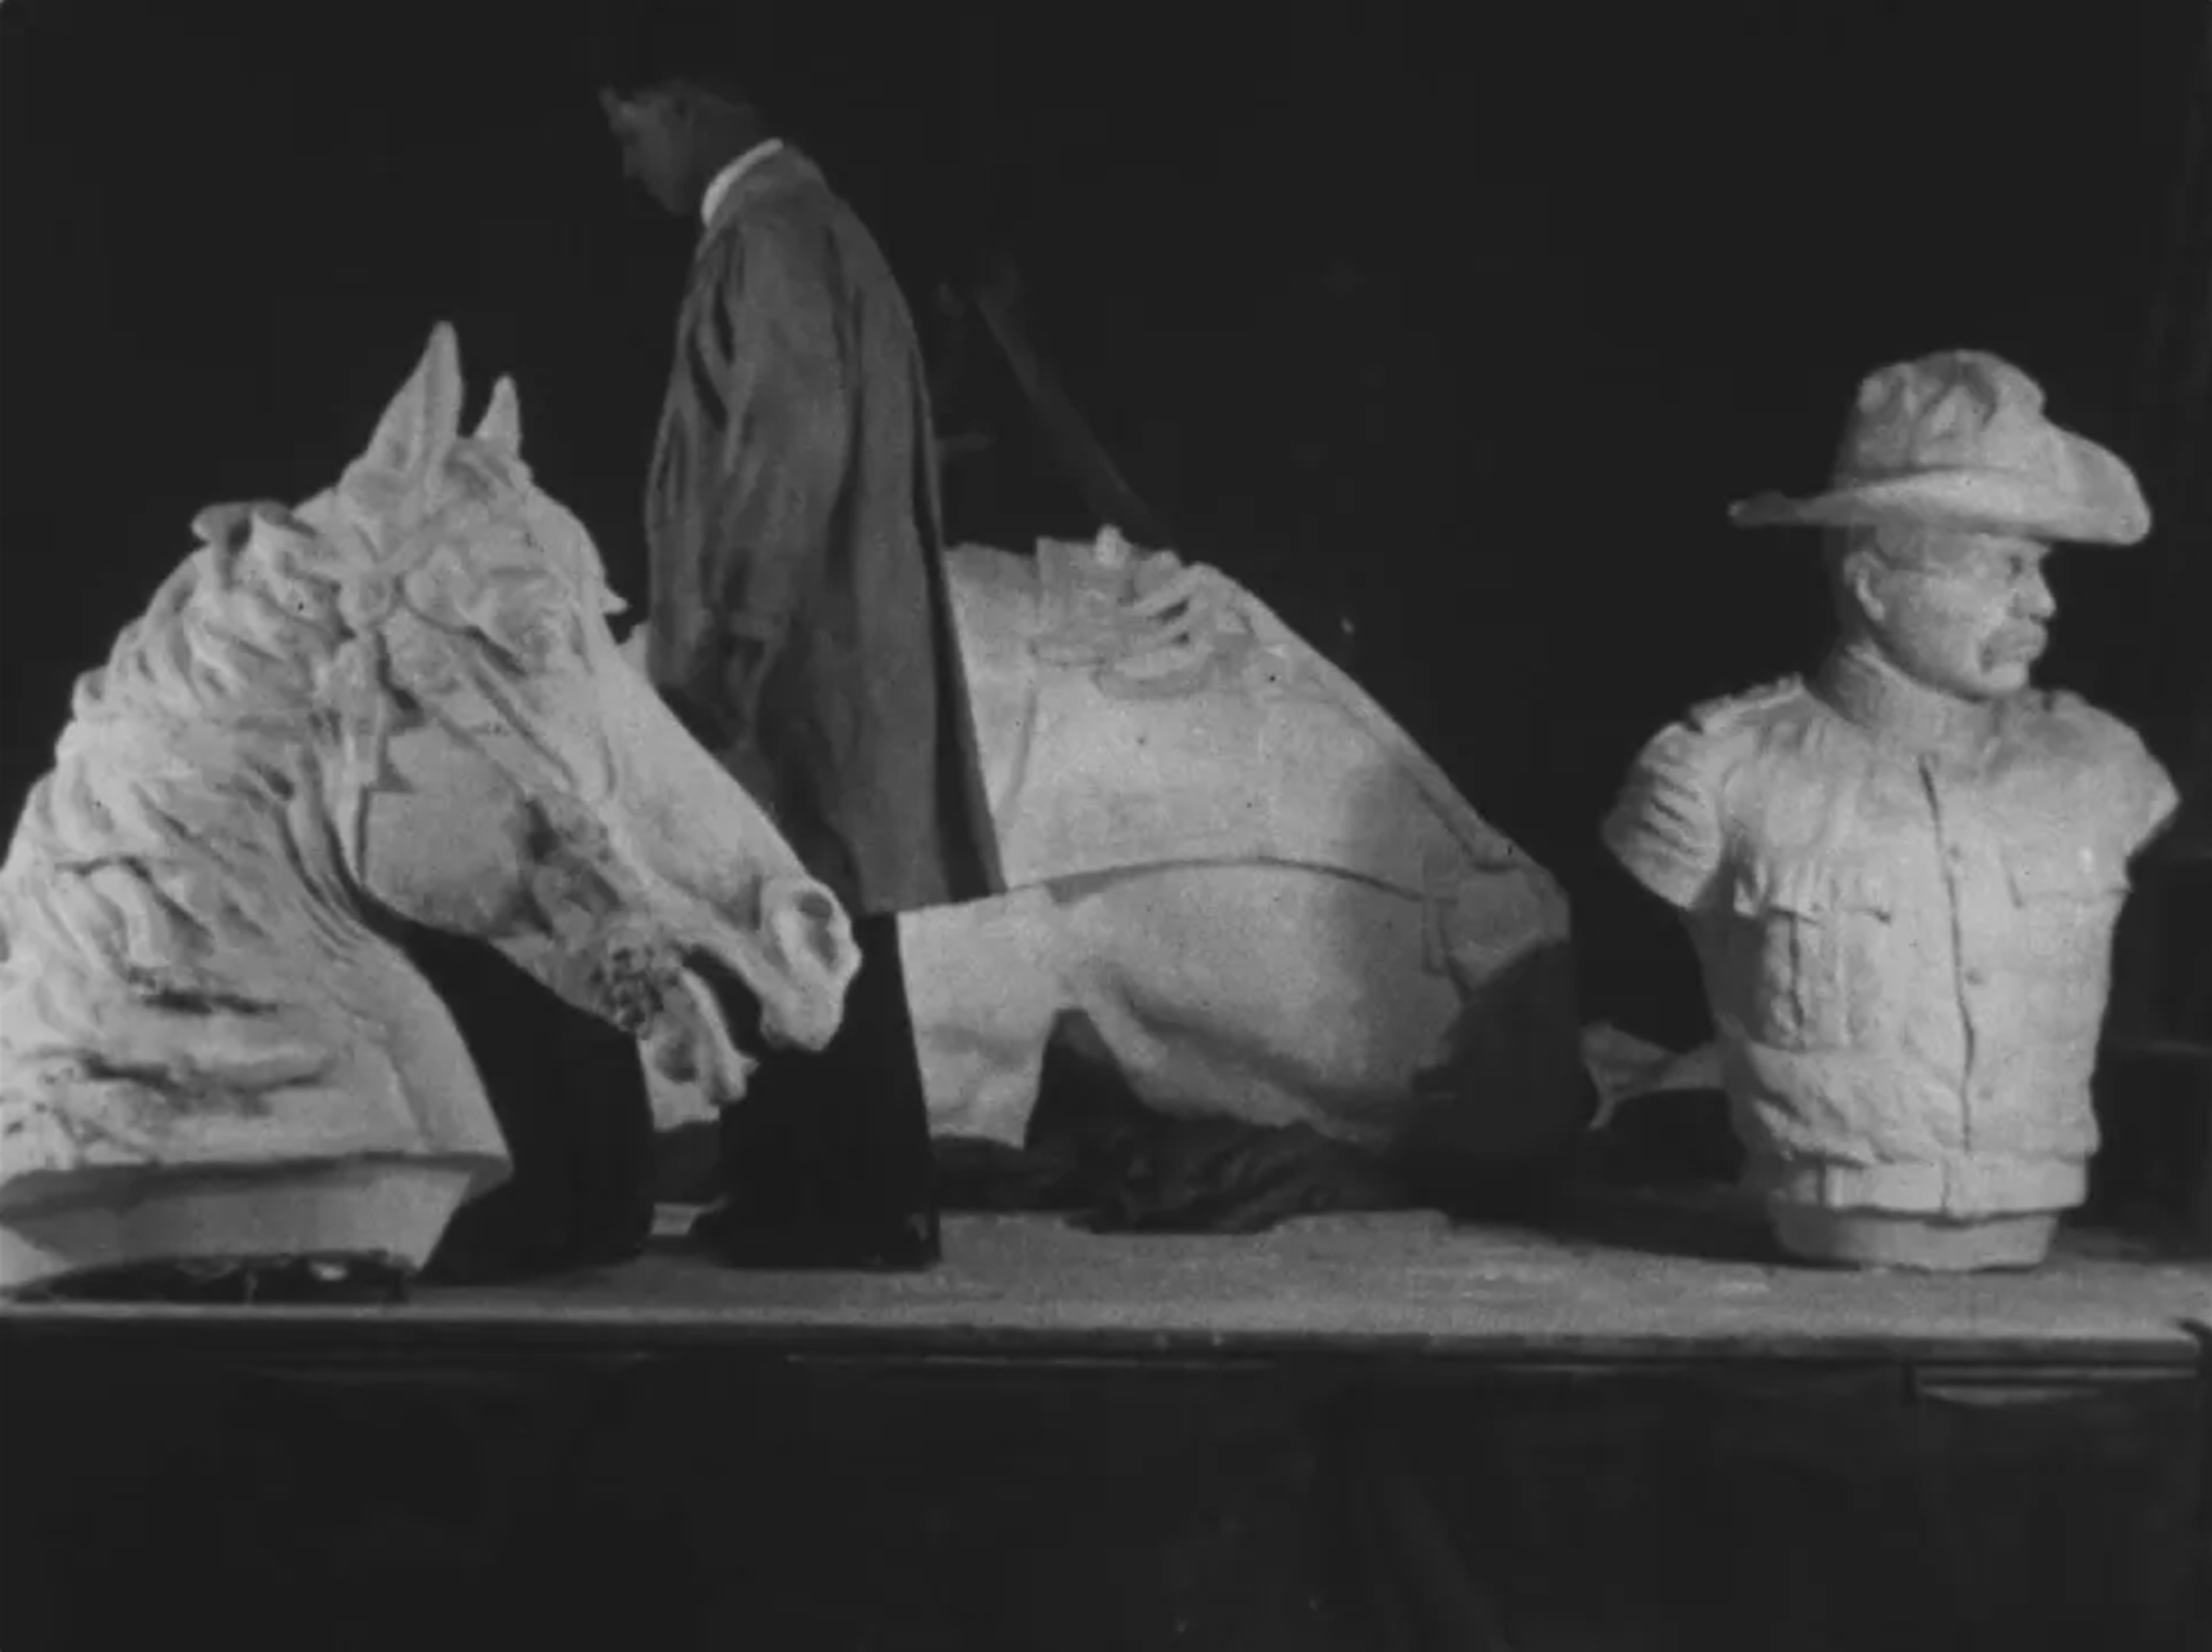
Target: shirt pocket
{"x": 2068, "y": 902}
{"x": 1814, "y": 939}
{"x": 2086, "y": 875}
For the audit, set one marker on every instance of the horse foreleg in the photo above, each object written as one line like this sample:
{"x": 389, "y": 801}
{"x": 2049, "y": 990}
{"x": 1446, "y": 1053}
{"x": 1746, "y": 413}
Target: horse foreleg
{"x": 985, "y": 987}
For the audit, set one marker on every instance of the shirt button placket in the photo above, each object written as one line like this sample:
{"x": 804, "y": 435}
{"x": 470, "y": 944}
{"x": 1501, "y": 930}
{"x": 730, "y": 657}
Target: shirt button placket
{"x": 1960, "y": 886}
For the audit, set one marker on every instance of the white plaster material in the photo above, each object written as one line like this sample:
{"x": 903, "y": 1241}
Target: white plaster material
{"x": 1232, "y": 876}
{"x": 1902, "y": 875}
{"x": 401, "y": 698}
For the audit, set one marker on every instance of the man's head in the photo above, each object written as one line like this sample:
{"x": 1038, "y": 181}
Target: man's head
{"x": 1965, "y": 612}
{"x": 1949, "y": 489}
{"x": 676, "y": 132}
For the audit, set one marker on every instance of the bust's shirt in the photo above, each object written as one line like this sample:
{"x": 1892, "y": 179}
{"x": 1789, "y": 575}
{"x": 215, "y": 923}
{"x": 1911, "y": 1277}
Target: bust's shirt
{"x": 1904, "y": 913}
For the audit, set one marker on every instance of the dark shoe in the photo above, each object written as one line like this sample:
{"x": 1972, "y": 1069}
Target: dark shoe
{"x": 736, "y": 1238}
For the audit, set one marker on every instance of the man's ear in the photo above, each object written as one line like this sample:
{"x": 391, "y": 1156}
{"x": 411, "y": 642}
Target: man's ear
{"x": 1862, "y": 579}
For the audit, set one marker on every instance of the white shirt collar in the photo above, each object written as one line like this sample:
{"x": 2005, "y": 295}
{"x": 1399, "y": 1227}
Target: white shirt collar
{"x": 726, "y": 179}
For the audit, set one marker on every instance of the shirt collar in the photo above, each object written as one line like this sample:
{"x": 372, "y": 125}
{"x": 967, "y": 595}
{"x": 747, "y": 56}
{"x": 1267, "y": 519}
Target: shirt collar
{"x": 1879, "y": 699}
{"x": 726, "y": 179}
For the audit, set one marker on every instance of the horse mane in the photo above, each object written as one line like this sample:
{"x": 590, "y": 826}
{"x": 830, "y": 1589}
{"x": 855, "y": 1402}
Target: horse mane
{"x": 174, "y": 906}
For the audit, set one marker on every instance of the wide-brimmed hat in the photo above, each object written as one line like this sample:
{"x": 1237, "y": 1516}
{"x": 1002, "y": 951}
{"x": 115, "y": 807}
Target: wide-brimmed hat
{"x": 1958, "y": 439}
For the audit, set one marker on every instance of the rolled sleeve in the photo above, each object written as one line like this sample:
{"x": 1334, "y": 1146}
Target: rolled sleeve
{"x": 2159, "y": 801}
{"x": 2116, "y": 780}
{"x": 1665, "y": 828}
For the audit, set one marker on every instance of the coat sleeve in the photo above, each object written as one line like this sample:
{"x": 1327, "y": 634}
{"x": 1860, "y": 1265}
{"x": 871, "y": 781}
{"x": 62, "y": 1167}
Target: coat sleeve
{"x": 765, "y": 390}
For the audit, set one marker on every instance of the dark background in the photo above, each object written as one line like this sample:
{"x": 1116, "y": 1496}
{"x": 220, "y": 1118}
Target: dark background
{"x": 1465, "y": 330}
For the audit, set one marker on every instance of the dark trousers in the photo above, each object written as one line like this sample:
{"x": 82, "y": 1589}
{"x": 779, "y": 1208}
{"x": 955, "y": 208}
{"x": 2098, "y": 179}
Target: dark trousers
{"x": 826, "y": 1161}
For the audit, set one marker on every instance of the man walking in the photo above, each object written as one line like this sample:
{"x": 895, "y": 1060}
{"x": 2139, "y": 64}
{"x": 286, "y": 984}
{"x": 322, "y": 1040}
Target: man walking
{"x": 799, "y": 625}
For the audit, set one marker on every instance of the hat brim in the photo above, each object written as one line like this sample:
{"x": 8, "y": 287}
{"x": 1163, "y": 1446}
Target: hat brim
{"x": 2104, "y": 507}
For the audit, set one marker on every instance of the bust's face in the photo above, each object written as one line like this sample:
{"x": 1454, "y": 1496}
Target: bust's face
{"x": 1967, "y": 616}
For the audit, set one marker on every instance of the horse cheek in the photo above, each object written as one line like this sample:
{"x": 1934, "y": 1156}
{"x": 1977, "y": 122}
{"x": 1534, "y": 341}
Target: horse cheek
{"x": 442, "y": 840}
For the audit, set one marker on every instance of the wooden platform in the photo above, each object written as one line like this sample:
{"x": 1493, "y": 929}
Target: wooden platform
{"x": 1096, "y": 1443}
{"x": 1034, "y": 1287}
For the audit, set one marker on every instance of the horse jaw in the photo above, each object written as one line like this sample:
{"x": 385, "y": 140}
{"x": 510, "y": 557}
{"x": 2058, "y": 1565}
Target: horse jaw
{"x": 690, "y": 1045}
{"x": 631, "y": 887}
{"x": 454, "y": 842}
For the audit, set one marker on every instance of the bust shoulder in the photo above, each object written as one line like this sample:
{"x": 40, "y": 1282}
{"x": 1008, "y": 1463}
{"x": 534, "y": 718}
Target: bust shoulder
{"x": 1677, "y": 811}
{"x": 2098, "y": 764}
{"x": 1753, "y": 708}
{"x": 1773, "y": 719}
{"x": 2062, "y": 726}
{"x": 1717, "y": 736}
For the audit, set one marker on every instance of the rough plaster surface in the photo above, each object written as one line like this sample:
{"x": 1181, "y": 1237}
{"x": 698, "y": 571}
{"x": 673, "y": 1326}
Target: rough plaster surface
{"x": 1907, "y": 950}
{"x": 401, "y": 698}
{"x": 1903, "y": 875}
{"x": 1232, "y": 876}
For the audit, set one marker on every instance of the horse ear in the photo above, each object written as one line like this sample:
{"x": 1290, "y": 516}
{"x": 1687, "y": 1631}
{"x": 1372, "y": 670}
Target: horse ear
{"x": 423, "y": 418}
{"x": 501, "y": 426}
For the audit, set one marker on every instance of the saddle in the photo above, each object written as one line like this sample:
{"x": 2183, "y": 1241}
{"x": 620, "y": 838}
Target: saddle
{"x": 1254, "y": 746}
{"x": 1151, "y": 626}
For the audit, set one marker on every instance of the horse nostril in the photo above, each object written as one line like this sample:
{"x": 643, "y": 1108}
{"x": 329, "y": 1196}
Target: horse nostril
{"x": 818, "y": 908}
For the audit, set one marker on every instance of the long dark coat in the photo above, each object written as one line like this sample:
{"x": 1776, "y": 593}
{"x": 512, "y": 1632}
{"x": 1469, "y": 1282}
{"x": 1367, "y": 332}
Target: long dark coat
{"x": 799, "y": 623}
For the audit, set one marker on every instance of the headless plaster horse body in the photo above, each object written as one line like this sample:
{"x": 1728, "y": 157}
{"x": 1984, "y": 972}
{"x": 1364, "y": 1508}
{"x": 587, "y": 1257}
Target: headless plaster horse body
{"x": 1232, "y": 880}
{"x": 401, "y": 699}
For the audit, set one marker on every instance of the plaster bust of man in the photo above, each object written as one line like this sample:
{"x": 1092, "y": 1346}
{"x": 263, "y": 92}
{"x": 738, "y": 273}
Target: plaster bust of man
{"x": 1902, "y": 876}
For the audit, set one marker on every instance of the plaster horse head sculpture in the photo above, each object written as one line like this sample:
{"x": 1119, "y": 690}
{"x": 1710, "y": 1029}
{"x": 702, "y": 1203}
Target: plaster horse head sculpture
{"x": 400, "y": 699}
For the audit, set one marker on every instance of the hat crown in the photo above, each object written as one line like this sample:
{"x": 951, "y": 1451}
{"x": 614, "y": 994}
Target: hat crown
{"x": 1960, "y": 438}
{"x": 1957, "y": 410}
